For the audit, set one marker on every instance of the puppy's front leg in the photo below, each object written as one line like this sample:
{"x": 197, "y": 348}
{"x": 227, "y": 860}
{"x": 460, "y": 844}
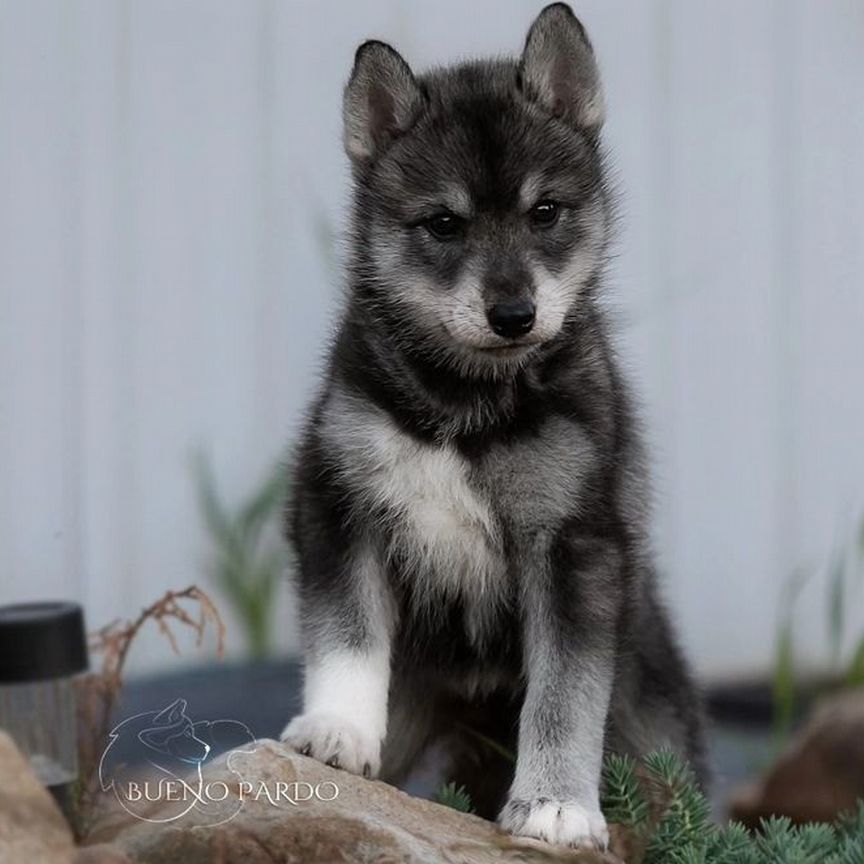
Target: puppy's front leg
{"x": 347, "y": 673}
{"x": 570, "y": 607}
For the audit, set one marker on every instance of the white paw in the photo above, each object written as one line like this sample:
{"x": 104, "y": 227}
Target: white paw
{"x": 334, "y": 741}
{"x": 565, "y": 823}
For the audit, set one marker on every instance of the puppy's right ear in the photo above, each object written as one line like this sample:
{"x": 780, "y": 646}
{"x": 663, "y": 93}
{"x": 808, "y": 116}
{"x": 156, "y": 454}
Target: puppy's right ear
{"x": 382, "y": 101}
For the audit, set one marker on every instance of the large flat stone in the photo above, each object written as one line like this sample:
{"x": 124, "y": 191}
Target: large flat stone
{"x": 366, "y": 822}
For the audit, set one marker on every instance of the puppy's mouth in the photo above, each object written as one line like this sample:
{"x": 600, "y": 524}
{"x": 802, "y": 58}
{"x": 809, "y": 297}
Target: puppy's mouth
{"x": 510, "y": 349}
{"x": 496, "y": 347}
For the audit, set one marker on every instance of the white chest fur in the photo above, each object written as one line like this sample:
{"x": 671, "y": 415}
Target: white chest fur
{"x": 441, "y": 527}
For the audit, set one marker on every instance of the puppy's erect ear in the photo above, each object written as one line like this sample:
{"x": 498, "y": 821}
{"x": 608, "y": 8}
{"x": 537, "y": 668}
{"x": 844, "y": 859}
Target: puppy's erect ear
{"x": 382, "y": 100}
{"x": 559, "y": 70}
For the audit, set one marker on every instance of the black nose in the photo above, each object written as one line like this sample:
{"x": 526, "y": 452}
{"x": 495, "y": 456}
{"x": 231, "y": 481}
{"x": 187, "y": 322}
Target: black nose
{"x": 512, "y": 318}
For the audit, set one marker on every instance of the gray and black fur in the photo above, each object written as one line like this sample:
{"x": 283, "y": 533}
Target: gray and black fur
{"x": 470, "y": 513}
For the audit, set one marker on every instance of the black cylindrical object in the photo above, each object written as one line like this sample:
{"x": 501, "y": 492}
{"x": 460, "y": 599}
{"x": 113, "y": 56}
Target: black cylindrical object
{"x": 42, "y": 647}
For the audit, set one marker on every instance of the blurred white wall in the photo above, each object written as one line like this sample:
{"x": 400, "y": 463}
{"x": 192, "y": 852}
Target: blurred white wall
{"x": 165, "y": 172}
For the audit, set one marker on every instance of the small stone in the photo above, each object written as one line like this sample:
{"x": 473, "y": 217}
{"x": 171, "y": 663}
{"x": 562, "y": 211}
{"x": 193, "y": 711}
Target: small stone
{"x": 32, "y": 828}
{"x": 819, "y": 774}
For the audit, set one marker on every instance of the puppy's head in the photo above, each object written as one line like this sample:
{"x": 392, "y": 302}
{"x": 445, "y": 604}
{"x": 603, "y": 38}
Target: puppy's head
{"x": 480, "y": 211}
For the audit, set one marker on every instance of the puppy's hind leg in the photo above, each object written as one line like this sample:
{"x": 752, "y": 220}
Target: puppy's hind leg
{"x": 412, "y": 725}
{"x": 480, "y": 747}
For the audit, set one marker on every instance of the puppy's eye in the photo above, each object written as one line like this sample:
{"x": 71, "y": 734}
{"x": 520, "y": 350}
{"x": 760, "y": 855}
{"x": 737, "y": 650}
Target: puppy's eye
{"x": 444, "y": 226}
{"x": 544, "y": 213}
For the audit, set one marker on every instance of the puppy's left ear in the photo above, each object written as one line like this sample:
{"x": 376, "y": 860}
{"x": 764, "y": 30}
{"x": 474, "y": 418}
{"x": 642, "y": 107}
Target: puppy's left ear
{"x": 559, "y": 69}
{"x": 382, "y": 101}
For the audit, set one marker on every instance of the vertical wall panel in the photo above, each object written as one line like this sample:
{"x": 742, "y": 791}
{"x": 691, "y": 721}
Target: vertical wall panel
{"x": 827, "y": 335}
{"x": 35, "y": 152}
{"x": 714, "y": 442}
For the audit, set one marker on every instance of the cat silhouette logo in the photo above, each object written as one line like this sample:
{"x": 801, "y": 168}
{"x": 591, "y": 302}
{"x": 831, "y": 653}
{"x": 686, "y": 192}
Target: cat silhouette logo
{"x": 153, "y": 763}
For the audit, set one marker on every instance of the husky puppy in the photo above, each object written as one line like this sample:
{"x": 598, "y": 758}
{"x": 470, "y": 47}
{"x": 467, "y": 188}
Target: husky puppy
{"x": 470, "y": 502}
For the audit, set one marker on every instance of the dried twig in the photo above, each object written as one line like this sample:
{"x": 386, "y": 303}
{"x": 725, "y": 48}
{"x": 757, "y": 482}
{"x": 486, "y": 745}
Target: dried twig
{"x": 98, "y": 692}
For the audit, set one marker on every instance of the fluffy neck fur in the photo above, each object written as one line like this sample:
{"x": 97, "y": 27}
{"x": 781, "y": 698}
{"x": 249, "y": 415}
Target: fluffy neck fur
{"x": 436, "y": 398}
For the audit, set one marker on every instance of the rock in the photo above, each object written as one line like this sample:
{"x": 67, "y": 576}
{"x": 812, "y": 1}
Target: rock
{"x": 820, "y": 773}
{"x": 329, "y": 816}
{"x": 32, "y": 828}
{"x": 101, "y": 853}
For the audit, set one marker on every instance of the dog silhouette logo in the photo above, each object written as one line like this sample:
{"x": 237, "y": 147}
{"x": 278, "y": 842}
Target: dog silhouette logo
{"x": 154, "y": 761}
